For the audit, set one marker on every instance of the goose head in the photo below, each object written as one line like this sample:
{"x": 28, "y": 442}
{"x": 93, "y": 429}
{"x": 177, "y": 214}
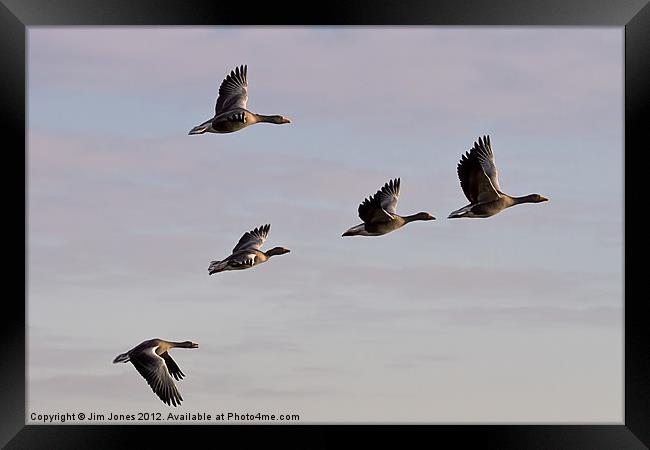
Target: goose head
{"x": 420, "y": 216}
{"x": 277, "y": 251}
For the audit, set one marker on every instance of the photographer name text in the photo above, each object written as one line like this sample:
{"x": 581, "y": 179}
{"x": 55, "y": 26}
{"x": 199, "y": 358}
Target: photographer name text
{"x": 162, "y": 417}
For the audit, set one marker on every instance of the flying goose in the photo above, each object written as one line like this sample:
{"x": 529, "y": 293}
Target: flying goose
{"x": 378, "y": 213}
{"x": 247, "y": 253}
{"x": 230, "y": 113}
{"x": 152, "y": 360}
{"x": 480, "y": 183}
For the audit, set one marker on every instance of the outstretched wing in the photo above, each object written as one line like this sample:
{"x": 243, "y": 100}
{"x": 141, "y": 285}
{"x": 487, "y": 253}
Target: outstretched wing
{"x": 476, "y": 171}
{"x": 485, "y": 156}
{"x": 233, "y": 92}
{"x": 154, "y": 370}
{"x": 252, "y": 240}
{"x": 172, "y": 367}
{"x": 381, "y": 206}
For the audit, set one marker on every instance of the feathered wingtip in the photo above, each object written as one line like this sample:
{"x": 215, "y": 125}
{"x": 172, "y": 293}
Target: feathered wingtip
{"x": 392, "y": 185}
{"x": 262, "y": 230}
{"x": 482, "y": 142}
{"x": 239, "y": 72}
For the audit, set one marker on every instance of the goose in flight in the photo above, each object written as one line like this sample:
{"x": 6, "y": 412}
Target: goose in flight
{"x": 479, "y": 180}
{"x": 378, "y": 213}
{"x": 230, "y": 112}
{"x": 151, "y": 359}
{"x": 247, "y": 253}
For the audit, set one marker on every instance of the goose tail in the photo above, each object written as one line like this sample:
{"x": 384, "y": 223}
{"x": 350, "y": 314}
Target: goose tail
{"x": 215, "y": 267}
{"x": 354, "y": 231}
{"x": 200, "y": 129}
{"x": 123, "y": 358}
{"x": 462, "y": 212}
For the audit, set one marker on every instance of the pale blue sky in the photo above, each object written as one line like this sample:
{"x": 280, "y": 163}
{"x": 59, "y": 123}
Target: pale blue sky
{"x": 512, "y": 318}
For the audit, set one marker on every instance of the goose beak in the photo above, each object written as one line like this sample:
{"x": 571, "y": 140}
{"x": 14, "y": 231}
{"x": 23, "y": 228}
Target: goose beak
{"x": 195, "y": 345}
{"x": 285, "y": 120}
{"x": 542, "y": 199}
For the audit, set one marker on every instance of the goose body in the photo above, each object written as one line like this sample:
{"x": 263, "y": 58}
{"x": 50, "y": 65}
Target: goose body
{"x": 247, "y": 253}
{"x": 152, "y": 360}
{"x": 230, "y": 113}
{"x": 379, "y": 215}
{"x": 479, "y": 180}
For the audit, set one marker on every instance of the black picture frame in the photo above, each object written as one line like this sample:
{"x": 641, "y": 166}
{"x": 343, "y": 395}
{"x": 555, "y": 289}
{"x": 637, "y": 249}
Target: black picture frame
{"x": 17, "y": 15}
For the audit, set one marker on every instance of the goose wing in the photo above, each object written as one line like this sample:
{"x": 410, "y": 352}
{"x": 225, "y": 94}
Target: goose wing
{"x": 485, "y": 156}
{"x": 154, "y": 370}
{"x": 173, "y": 368}
{"x": 478, "y": 173}
{"x": 381, "y": 206}
{"x": 252, "y": 240}
{"x": 233, "y": 92}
